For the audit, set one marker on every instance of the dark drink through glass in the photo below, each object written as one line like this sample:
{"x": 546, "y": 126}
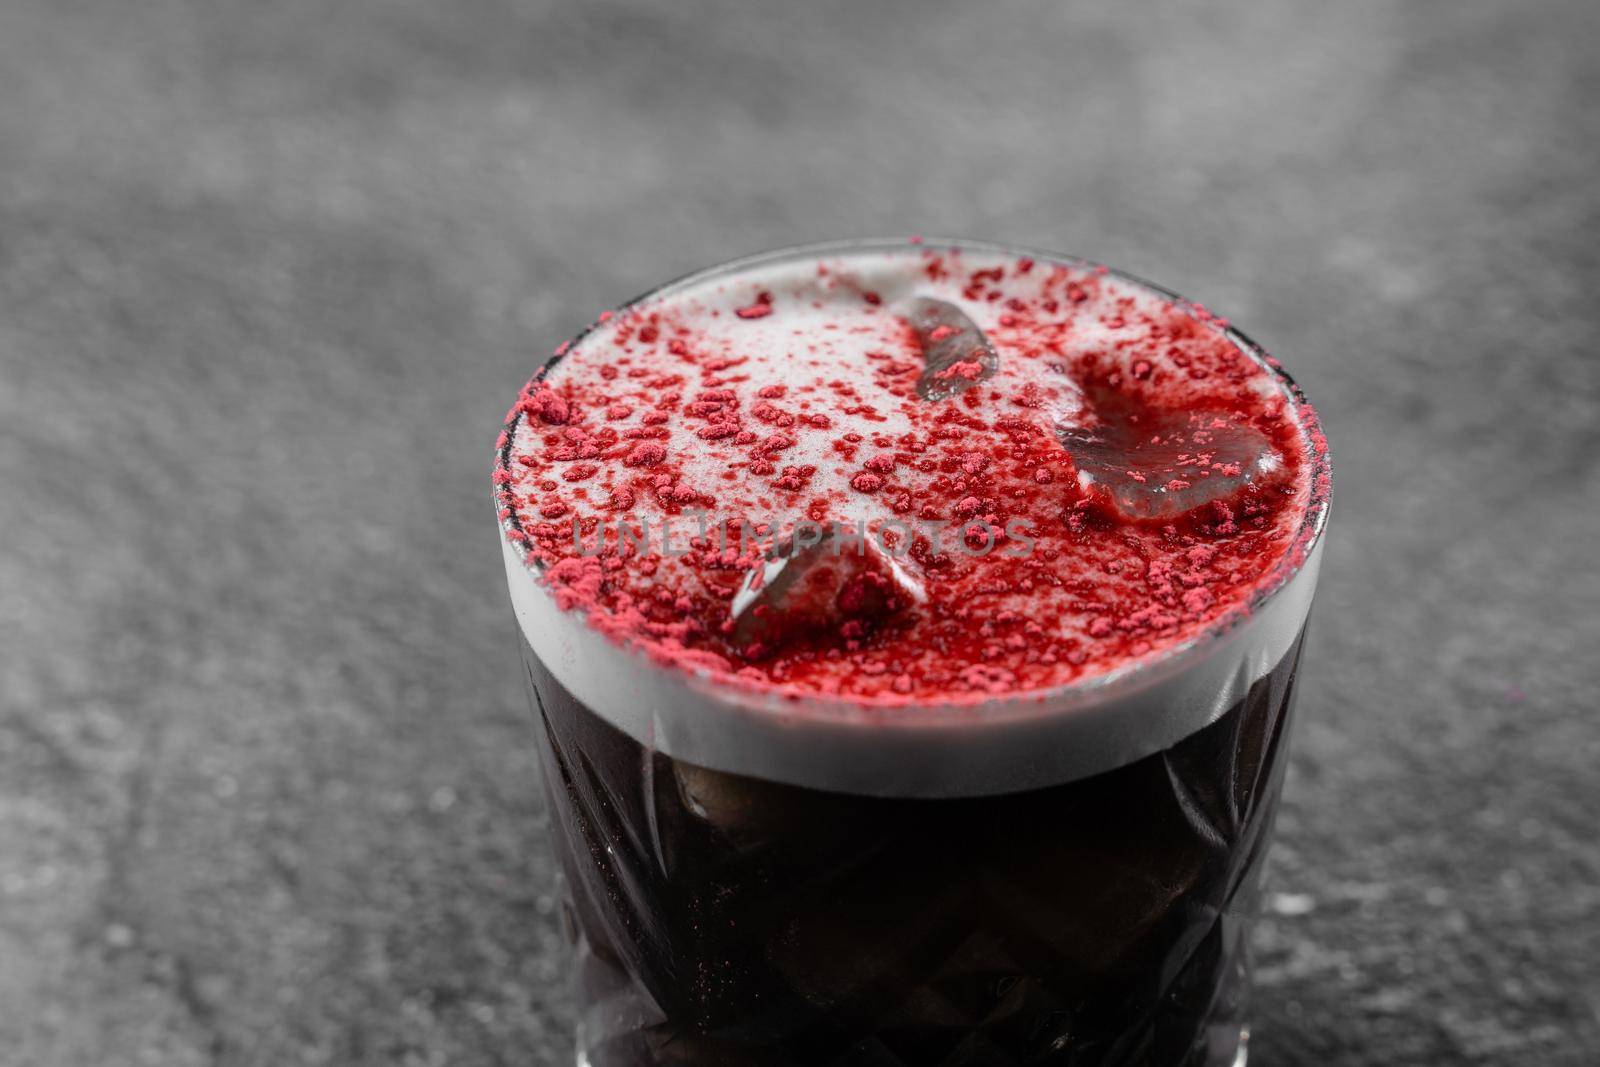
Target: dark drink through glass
{"x": 1042, "y": 849}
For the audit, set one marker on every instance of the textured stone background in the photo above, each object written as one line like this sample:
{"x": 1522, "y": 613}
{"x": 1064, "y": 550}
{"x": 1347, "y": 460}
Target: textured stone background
{"x": 271, "y": 272}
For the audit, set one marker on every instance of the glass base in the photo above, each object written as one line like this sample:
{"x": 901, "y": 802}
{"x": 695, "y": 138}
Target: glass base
{"x": 1240, "y": 1059}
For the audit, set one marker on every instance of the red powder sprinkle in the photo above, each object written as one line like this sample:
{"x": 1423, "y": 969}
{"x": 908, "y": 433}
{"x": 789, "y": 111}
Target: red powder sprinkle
{"x": 768, "y": 412}
{"x": 547, "y": 405}
{"x": 867, "y": 482}
{"x": 969, "y": 369}
{"x": 579, "y": 472}
{"x": 646, "y": 454}
{"x": 717, "y": 431}
{"x": 791, "y": 479}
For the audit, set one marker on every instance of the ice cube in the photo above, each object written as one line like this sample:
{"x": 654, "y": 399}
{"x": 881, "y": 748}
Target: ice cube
{"x": 746, "y": 813}
{"x": 1159, "y": 463}
{"x": 728, "y": 801}
{"x": 814, "y": 580}
{"x": 955, "y": 353}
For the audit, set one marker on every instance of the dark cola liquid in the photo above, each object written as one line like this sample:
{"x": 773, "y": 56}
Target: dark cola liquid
{"x": 721, "y": 919}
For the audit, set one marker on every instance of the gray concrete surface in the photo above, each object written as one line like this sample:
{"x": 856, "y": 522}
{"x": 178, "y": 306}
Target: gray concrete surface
{"x": 270, "y": 273}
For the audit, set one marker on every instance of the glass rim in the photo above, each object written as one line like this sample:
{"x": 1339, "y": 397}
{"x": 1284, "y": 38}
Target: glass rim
{"x": 1137, "y": 674}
